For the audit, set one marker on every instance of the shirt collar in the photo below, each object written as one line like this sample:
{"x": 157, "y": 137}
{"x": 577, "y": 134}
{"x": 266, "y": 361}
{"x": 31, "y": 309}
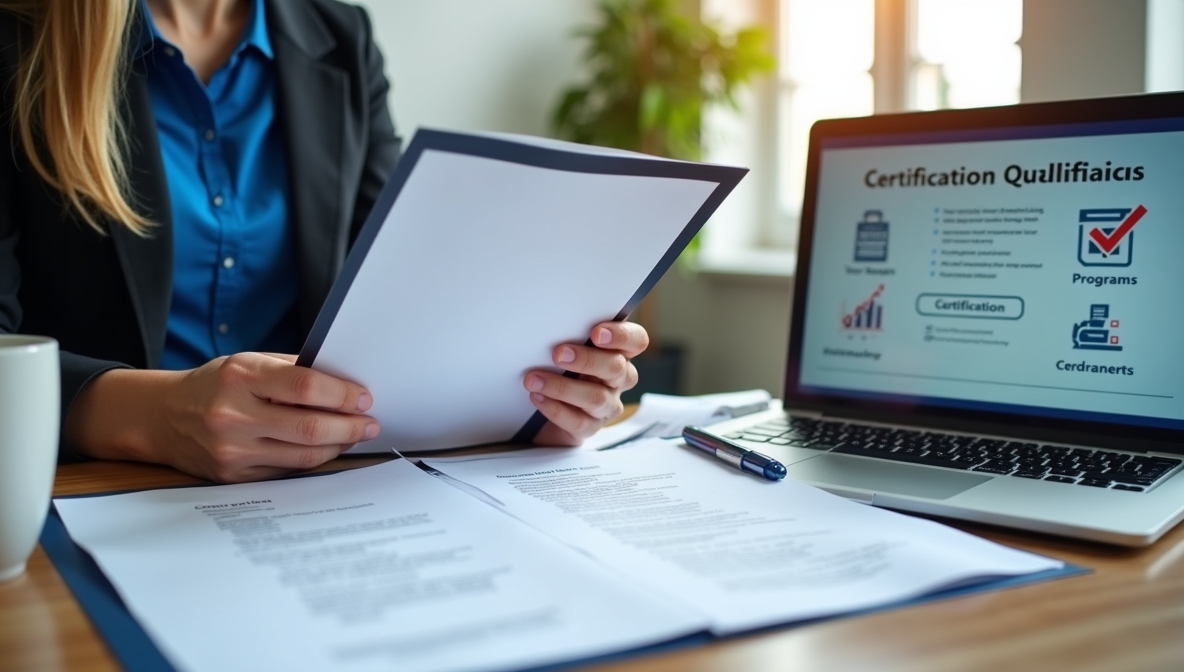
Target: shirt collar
{"x": 254, "y": 36}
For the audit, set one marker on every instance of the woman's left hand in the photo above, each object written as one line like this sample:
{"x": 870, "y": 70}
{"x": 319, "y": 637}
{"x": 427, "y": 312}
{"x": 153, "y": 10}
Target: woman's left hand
{"x": 578, "y": 407}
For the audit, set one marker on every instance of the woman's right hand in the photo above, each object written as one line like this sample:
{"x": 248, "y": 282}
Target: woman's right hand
{"x": 244, "y": 417}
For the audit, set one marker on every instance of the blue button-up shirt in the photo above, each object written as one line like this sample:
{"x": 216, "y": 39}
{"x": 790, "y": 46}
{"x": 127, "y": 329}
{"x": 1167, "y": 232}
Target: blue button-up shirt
{"x": 234, "y": 249}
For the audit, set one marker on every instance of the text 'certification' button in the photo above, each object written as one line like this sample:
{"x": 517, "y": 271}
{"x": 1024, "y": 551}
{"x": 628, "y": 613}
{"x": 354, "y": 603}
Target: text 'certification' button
{"x": 971, "y": 305}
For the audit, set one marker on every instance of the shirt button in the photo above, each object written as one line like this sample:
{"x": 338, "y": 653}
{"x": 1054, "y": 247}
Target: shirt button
{"x": 223, "y": 328}
{"x": 218, "y": 201}
{"x": 169, "y": 51}
{"x": 210, "y": 135}
{"x": 228, "y": 262}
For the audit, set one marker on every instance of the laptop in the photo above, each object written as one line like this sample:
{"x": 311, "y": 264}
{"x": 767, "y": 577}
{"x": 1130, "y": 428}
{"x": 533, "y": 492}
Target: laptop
{"x": 986, "y": 322}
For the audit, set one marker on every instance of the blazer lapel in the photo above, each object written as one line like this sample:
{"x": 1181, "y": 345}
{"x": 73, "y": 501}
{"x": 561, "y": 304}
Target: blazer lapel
{"x": 147, "y": 262}
{"x": 311, "y": 103}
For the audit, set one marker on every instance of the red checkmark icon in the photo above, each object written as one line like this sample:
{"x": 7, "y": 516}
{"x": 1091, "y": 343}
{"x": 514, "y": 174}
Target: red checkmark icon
{"x": 1108, "y": 243}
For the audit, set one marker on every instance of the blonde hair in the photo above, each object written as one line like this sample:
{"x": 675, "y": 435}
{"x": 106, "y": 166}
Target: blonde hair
{"x": 69, "y": 84}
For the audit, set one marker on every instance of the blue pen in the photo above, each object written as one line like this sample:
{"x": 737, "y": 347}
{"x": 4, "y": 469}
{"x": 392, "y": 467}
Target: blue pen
{"x": 734, "y": 454}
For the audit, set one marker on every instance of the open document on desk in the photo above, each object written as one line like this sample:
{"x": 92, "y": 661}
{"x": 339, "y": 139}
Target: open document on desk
{"x": 742, "y": 551}
{"x": 568, "y": 556}
{"x": 383, "y": 568}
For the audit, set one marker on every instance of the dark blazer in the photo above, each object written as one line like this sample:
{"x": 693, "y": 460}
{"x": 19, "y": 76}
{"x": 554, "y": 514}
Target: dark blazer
{"x": 105, "y": 298}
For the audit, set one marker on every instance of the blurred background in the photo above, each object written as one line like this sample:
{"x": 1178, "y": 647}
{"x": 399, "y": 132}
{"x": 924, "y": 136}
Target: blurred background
{"x": 722, "y": 313}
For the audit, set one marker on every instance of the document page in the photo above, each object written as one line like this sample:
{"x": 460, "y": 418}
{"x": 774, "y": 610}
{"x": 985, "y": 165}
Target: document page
{"x": 383, "y": 568}
{"x": 742, "y": 551}
{"x": 499, "y": 250}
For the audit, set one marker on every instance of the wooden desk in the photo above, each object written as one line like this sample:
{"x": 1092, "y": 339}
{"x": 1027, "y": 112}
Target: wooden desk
{"x": 1127, "y": 615}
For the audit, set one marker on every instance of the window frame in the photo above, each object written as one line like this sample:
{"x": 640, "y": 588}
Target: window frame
{"x": 752, "y": 234}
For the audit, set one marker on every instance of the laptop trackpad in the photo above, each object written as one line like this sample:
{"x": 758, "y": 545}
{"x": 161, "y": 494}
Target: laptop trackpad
{"x": 884, "y": 476}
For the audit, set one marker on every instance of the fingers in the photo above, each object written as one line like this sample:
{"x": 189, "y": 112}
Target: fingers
{"x": 578, "y": 407}
{"x": 287, "y": 456}
{"x": 615, "y": 344}
{"x": 233, "y": 463}
{"x": 260, "y": 439}
{"x": 590, "y": 397}
{"x": 308, "y": 427}
{"x": 573, "y": 424}
{"x": 625, "y": 337}
{"x": 256, "y": 415}
{"x": 274, "y": 379}
{"x": 611, "y": 367}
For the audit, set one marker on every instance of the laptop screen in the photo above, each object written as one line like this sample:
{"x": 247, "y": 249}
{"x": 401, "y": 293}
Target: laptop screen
{"x": 1028, "y": 270}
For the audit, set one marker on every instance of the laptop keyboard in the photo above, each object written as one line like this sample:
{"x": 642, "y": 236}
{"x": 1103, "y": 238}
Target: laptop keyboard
{"x": 1059, "y": 464}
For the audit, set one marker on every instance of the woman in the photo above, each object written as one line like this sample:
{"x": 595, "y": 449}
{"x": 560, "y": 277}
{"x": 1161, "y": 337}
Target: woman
{"x": 181, "y": 181}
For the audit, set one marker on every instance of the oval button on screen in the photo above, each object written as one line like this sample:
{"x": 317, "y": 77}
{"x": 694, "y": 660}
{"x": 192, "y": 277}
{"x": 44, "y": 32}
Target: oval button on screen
{"x": 971, "y": 305}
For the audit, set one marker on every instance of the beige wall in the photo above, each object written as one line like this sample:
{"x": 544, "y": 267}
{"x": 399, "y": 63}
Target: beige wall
{"x": 734, "y": 328}
{"x": 1083, "y": 48}
{"x": 495, "y": 65}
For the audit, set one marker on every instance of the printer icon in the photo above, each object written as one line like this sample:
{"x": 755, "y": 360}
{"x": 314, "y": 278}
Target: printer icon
{"x": 1099, "y": 332}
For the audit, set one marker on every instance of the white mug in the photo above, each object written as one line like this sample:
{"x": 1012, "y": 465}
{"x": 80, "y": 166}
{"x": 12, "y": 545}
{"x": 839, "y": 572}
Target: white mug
{"x": 30, "y": 408}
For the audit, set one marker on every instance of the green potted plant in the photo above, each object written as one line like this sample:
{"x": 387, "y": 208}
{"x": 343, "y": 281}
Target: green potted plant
{"x": 654, "y": 67}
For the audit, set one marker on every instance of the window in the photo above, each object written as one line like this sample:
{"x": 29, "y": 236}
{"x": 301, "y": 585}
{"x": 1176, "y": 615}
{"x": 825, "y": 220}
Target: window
{"x": 826, "y": 58}
{"x": 955, "y": 67}
{"x": 843, "y": 58}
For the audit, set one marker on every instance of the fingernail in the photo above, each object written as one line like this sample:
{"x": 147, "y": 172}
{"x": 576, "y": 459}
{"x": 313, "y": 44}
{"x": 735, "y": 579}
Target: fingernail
{"x": 537, "y": 398}
{"x": 603, "y": 336}
{"x": 567, "y": 355}
{"x": 534, "y": 383}
{"x": 365, "y": 401}
{"x": 371, "y": 430}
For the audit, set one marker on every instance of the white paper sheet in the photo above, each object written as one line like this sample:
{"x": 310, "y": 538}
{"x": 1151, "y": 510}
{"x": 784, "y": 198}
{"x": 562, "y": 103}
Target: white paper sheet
{"x": 663, "y": 416}
{"x": 744, "y": 551}
{"x": 384, "y": 568}
{"x": 480, "y": 269}
{"x": 659, "y": 417}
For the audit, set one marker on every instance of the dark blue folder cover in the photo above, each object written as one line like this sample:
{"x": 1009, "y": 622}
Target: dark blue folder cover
{"x": 137, "y": 653}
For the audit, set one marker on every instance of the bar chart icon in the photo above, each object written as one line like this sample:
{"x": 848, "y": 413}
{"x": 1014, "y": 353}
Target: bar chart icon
{"x": 867, "y": 316}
